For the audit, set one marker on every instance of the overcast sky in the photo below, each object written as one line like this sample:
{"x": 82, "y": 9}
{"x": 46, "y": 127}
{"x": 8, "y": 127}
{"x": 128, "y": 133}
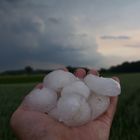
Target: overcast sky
{"x": 52, "y": 33}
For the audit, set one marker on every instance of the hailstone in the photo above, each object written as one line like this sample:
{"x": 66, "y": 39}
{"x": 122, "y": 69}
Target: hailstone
{"x": 77, "y": 87}
{"x": 98, "y": 105}
{"x": 79, "y": 100}
{"x": 76, "y": 108}
{"x": 102, "y": 86}
{"x": 58, "y": 79}
{"x": 42, "y": 100}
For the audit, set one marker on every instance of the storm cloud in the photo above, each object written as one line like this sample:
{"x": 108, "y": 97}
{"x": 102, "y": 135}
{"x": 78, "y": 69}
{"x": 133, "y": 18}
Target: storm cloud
{"x": 30, "y": 32}
{"x": 111, "y": 37}
{"x": 54, "y": 32}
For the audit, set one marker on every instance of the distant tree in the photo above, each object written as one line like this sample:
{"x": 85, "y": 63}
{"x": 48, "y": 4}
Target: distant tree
{"x": 71, "y": 69}
{"x": 29, "y": 69}
{"x": 102, "y": 70}
{"x": 126, "y": 67}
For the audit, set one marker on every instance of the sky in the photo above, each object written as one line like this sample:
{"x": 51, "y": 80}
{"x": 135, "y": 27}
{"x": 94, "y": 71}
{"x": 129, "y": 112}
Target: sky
{"x": 48, "y": 34}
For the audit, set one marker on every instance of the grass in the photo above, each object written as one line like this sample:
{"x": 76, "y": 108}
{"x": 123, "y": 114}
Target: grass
{"x": 126, "y": 124}
{"x": 10, "y": 97}
{"x": 12, "y": 79}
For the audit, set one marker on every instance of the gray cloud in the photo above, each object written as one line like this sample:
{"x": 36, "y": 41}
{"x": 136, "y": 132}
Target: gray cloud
{"x": 112, "y": 37}
{"x": 133, "y": 45}
{"x": 54, "y": 20}
{"x": 31, "y": 36}
{"x": 55, "y": 32}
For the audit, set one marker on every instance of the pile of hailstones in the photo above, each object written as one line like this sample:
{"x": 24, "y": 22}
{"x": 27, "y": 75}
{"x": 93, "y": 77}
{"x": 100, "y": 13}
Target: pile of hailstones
{"x": 71, "y": 100}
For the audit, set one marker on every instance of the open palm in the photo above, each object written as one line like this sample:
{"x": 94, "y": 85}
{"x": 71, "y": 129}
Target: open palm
{"x": 32, "y": 125}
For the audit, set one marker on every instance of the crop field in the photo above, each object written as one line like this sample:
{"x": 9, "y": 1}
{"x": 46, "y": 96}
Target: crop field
{"x": 126, "y": 124}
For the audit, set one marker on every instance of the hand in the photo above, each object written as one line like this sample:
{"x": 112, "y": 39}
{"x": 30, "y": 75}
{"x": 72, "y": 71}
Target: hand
{"x": 32, "y": 125}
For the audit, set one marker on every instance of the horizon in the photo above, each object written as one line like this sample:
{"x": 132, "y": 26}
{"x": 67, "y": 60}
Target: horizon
{"x": 51, "y": 34}
{"x": 47, "y": 69}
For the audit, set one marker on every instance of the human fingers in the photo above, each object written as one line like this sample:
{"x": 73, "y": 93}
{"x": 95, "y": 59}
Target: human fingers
{"x": 112, "y": 107}
{"x": 94, "y": 72}
{"x": 113, "y": 104}
{"x": 64, "y": 69}
{"x": 80, "y": 73}
{"x": 39, "y": 86}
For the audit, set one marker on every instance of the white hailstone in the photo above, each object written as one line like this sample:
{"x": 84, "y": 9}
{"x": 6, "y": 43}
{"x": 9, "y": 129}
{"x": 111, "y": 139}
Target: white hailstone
{"x": 77, "y": 87}
{"x": 98, "y": 105}
{"x": 102, "y": 86}
{"x": 56, "y": 80}
{"x": 42, "y": 100}
{"x": 72, "y": 110}
{"x": 68, "y": 106}
{"x": 82, "y": 116}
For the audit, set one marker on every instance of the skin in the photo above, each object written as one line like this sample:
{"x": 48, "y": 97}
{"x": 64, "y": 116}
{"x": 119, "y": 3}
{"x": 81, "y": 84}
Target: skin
{"x": 80, "y": 73}
{"x": 32, "y": 125}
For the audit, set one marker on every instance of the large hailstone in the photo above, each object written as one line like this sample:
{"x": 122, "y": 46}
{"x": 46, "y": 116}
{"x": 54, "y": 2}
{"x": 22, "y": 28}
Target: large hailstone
{"x": 42, "y": 100}
{"x": 102, "y": 86}
{"x": 78, "y": 87}
{"x": 79, "y": 100}
{"x": 58, "y": 79}
{"x": 98, "y": 105}
{"x": 75, "y": 106}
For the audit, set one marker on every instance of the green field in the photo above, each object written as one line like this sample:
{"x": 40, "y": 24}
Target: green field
{"x": 126, "y": 124}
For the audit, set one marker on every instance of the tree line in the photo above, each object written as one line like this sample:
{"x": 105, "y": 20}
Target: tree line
{"x": 126, "y": 67}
